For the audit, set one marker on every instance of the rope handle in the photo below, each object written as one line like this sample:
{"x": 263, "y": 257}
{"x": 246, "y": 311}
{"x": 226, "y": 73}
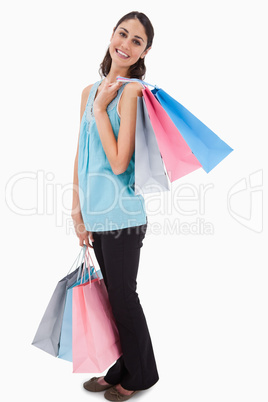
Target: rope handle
{"x": 81, "y": 270}
{"x": 84, "y": 265}
{"x": 77, "y": 259}
{"x": 143, "y": 83}
{"x": 87, "y": 258}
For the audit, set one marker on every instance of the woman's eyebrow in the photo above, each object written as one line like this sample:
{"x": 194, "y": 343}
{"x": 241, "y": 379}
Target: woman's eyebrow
{"x": 135, "y": 36}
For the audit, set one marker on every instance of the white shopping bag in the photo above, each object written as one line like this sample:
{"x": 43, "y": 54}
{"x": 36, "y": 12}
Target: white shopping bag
{"x": 150, "y": 174}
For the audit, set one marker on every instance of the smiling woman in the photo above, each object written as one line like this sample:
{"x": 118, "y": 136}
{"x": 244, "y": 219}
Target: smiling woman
{"x": 106, "y": 209}
{"x": 127, "y": 41}
{"x": 143, "y": 39}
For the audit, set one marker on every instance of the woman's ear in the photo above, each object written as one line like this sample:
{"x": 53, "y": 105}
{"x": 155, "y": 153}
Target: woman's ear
{"x": 145, "y": 52}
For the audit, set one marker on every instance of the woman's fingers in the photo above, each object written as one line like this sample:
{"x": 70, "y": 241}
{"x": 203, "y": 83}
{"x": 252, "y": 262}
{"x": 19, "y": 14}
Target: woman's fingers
{"x": 89, "y": 245}
{"x": 84, "y": 239}
{"x": 107, "y": 94}
{"x": 83, "y": 235}
{"x": 115, "y": 85}
{"x": 90, "y": 235}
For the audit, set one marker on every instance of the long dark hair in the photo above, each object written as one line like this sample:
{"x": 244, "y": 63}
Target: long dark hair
{"x": 138, "y": 69}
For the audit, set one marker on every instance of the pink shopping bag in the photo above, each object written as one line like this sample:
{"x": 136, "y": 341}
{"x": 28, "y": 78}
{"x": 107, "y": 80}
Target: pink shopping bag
{"x": 96, "y": 344}
{"x": 177, "y": 155}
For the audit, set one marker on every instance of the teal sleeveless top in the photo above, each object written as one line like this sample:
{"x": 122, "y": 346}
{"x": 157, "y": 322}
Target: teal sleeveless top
{"x": 108, "y": 201}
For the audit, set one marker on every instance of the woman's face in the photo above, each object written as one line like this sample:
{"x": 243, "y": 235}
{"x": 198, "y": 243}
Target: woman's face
{"x": 128, "y": 43}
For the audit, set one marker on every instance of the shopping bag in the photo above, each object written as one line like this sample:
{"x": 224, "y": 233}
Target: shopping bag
{"x": 178, "y": 158}
{"x": 65, "y": 343}
{"x": 48, "y": 333}
{"x": 150, "y": 174}
{"x": 208, "y": 148}
{"x": 96, "y": 344}
{"x": 65, "y": 347}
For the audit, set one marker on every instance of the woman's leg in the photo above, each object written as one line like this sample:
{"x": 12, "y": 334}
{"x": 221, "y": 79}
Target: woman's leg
{"x": 136, "y": 369}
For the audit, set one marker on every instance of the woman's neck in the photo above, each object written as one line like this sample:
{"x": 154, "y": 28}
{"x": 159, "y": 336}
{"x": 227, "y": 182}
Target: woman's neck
{"x": 114, "y": 72}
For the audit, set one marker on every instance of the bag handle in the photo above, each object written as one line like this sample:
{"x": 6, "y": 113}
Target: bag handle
{"x": 81, "y": 270}
{"x": 143, "y": 83}
{"x": 88, "y": 255}
{"x": 77, "y": 259}
{"x": 85, "y": 267}
{"x": 87, "y": 258}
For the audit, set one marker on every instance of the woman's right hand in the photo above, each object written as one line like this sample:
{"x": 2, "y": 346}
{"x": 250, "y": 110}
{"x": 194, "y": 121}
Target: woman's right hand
{"x": 81, "y": 232}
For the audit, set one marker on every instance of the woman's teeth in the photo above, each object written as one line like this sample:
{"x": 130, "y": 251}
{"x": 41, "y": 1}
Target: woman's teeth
{"x": 122, "y": 54}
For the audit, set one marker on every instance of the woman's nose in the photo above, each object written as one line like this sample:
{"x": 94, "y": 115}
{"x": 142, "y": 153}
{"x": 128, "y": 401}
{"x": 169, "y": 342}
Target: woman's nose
{"x": 126, "y": 44}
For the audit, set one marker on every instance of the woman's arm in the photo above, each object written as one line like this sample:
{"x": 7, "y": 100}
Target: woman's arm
{"x": 120, "y": 151}
{"x": 79, "y": 226}
{"x": 76, "y": 210}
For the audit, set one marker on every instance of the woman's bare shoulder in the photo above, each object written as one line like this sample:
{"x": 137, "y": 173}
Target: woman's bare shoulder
{"x": 133, "y": 88}
{"x": 84, "y": 98}
{"x": 130, "y": 92}
{"x": 86, "y": 90}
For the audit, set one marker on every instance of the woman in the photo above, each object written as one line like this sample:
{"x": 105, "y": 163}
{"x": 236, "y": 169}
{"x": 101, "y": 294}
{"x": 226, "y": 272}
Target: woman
{"x": 106, "y": 210}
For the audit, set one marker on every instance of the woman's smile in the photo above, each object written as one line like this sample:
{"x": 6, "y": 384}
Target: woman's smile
{"x": 121, "y": 54}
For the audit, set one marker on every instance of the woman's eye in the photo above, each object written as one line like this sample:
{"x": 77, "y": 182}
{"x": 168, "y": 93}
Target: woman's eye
{"x": 124, "y": 35}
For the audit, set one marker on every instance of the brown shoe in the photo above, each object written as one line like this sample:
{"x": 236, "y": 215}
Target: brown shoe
{"x": 92, "y": 385}
{"x": 114, "y": 395}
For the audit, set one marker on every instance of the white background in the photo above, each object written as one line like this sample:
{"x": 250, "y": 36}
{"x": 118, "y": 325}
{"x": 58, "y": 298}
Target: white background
{"x": 204, "y": 295}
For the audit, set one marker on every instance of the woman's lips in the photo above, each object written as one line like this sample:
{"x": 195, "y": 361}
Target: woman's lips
{"x": 122, "y": 54}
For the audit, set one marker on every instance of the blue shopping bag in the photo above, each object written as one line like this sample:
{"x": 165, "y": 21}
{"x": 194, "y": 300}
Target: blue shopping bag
{"x": 207, "y": 147}
{"x": 65, "y": 344}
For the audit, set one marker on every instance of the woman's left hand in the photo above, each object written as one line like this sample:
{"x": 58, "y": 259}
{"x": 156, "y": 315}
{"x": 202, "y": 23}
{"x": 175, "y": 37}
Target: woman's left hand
{"x": 106, "y": 95}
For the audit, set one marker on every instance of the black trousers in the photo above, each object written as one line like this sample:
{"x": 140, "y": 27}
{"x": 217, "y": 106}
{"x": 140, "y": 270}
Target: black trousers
{"x": 118, "y": 254}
